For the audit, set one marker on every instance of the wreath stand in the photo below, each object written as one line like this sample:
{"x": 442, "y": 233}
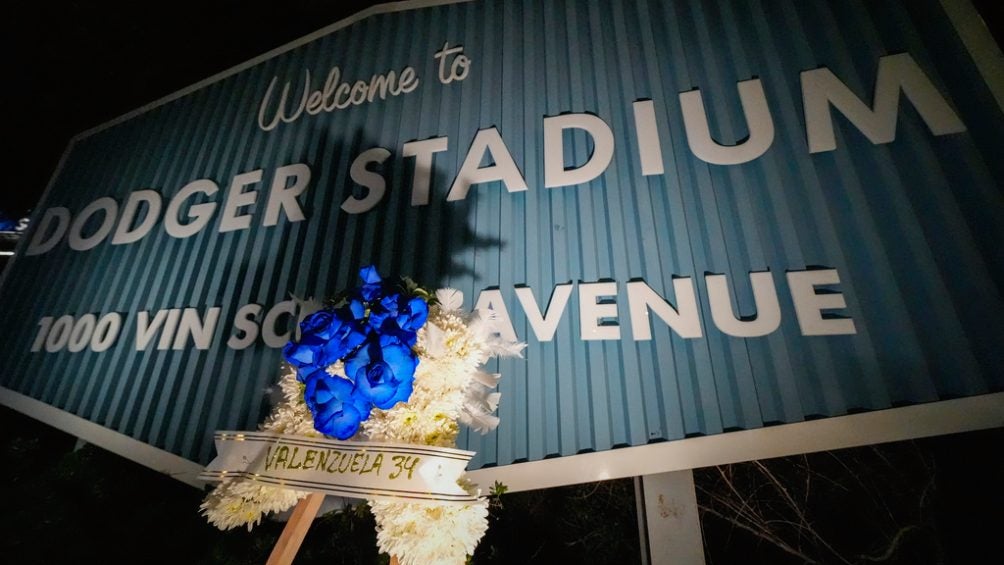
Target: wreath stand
{"x": 296, "y": 529}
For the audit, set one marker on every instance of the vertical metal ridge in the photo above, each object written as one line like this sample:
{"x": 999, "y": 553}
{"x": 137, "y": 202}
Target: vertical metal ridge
{"x": 911, "y": 226}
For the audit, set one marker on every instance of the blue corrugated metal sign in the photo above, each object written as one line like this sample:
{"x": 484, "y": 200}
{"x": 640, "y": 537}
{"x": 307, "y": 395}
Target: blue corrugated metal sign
{"x": 701, "y": 216}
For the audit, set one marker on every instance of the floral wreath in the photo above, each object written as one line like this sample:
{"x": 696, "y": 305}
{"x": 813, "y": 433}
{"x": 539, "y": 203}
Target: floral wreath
{"x": 385, "y": 361}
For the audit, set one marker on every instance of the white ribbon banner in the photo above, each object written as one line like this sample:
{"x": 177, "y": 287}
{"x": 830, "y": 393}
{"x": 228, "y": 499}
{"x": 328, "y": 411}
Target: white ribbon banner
{"x": 354, "y": 469}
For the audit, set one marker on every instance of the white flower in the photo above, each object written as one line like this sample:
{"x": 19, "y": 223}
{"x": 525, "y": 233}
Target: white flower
{"x": 243, "y": 502}
{"x": 291, "y": 415}
{"x": 422, "y": 533}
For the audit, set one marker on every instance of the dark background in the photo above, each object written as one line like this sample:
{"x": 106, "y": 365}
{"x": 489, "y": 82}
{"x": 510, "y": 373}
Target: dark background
{"x": 934, "y": 501}
{"x": 74, "y": 65}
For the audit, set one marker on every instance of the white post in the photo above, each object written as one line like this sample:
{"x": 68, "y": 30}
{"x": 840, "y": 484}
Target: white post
{"x": 669, "y": 520}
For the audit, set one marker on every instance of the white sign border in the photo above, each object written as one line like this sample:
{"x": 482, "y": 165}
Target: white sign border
{"x": 943, "y": 417}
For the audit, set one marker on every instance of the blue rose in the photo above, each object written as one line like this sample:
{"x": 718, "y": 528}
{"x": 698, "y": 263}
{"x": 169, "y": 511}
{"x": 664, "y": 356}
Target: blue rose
{"x": 325, "y": 337}
{"x": 383, "y": 370}
{"x": 347, "y": 333}
{"x": 411, "y": 315}
{"x": 336, "y": 408}
{"x": 378, "y": 383}
{"x": 314, "y": 333}
{"x": 400, "y": 316}
{"x": 383, "y": 311}
{"x": 372, "y": 283}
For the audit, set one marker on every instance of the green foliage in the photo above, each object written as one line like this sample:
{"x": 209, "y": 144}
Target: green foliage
{"x": 495, "y": 496}
{"x": 498, "y": 489}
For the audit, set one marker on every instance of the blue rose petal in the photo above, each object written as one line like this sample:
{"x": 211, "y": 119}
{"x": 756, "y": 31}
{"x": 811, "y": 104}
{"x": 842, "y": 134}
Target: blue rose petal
{"x": 413, "y": 315}
{"x": 317, "y": 324}
{"x": 357, "y": 310}
{"x": 399, "y": 356}
{"x": 375, "y": 382}
{"x": 300, "y": 355}
{"x": 383, "y": 310}
{"x": 369, "y": 274}
{"x": 362, "y": 357}
{"x": 402, "y": 394}
{"x": 372, "y": 283}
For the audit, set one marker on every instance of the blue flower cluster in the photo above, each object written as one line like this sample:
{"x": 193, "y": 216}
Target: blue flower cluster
{"x": 371, "y": 331}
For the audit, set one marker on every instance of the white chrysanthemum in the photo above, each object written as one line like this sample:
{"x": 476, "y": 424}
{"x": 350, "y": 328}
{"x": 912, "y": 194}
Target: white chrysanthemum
{"x": 423, "y": 533}
{"x": 243, "y": 502}
{"x": 291, "y": 415}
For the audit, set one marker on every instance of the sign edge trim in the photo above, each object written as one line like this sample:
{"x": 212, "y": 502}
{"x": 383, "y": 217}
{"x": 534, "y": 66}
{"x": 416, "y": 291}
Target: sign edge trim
{"x": 943, "y": 417}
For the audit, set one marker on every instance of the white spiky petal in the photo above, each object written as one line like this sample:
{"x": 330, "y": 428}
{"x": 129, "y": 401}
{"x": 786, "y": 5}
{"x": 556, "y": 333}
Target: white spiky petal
{"x": 450, "y": 299}
{"x": 422, "y": 533}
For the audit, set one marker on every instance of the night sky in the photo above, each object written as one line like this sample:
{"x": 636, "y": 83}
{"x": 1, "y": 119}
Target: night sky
{"x": 78, "y": 64}
{"x": 74, "y": 65}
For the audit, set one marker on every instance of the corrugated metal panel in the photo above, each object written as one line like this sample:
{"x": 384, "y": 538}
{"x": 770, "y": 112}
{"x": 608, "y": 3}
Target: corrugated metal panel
{"x": 913, "y": 227}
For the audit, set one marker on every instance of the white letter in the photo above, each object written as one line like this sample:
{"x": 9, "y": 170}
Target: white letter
{"x": 555, "y": 173}
{"x": 491, "y": 306}
{"x": 374, "y": 183}
{"x": 59, "y": 334}
{"x": 43, "y": 329}
{"x": 423, "y": 151}
{"x": 153, "y": 206}
{"x": 820, "y": 88}
{"x": 77, "y": 240}
{"x": 758, "y": 121}
{"x": 80, "y": 336}
{"x": 685, "y": 319}
{"x": 591, "y": 311}
{"x": 268, "y": 334}
{"x": 192, "y": 325}
{"x": 503, "y": 169}
{"x": 106, "y": 332}
{"x": 768, "y": 311}
{"x": 280, "y": 111}
{"x": 244, "y": 322}
{"x": 169, "y": 329}
{"x": 647, "y": 133}
{"x": 236, "y": 199}
{"x": 39, "y": 244}
{"x": 145, "y": 330}
{"x": 200, "y": 213}
{"x": 544, "y": 325}
{"x": 809, "y": 305}
{"x": 282, "y": 198}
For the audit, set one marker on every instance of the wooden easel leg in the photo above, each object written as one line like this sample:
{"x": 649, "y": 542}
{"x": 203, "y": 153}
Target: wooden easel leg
{"x": 296, "y": 529}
